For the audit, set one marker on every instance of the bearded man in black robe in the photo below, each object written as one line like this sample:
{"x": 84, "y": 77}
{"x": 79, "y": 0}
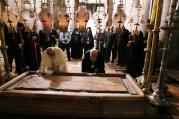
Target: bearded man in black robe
{"x": 136, "y": 54}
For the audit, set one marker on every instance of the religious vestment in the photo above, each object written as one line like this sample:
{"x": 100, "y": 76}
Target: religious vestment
{"x": 59, "y": 60}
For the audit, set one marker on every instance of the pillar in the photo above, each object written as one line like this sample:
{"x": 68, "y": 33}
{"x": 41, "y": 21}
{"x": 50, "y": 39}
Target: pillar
{"x": 146, "y": 12}
{"x": 110, "y": 12}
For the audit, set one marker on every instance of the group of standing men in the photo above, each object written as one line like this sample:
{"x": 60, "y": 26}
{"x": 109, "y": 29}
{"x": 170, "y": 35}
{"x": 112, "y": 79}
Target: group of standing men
{"x": 127, "y": 47}
{"x": 24, "y": 46}
{"x": 76, "y": 42}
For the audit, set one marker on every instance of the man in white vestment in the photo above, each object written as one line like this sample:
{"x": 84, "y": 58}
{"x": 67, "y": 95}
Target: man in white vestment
{"x": 54, "y": 58}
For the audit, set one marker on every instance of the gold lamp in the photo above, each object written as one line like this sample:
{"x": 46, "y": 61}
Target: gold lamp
{"x": 81, "y": 17}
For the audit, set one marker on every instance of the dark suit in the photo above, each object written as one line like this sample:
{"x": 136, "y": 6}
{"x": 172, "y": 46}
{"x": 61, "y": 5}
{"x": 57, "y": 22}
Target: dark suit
{"x": 64, "y": 42}
{"x": 47, "y": 39}
{"x": 106, "y": 45}
{"x": 111, "y": 46}
{"x": 89, "y": 66}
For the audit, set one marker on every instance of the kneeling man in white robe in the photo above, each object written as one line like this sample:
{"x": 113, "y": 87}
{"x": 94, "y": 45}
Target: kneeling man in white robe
{"x": 54, "y": 58}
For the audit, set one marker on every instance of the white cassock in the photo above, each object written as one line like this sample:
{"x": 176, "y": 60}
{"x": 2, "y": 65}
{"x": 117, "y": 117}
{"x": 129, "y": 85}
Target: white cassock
{"x": 59, "y": 60}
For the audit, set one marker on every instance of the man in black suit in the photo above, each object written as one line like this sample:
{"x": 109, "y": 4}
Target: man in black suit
{"x": 106, "y": 44}
{"x": 93, "y": 62}
{"x": 48, "y": 38}
{"x": 64, "y": 42}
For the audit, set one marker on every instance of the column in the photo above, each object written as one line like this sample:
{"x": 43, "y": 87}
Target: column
{"x": 110, "y": 12}
{"x": 145, "y": 15}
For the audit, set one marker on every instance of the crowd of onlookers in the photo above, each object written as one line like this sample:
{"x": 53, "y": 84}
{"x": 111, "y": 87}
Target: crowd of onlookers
{"x": 121, "y": 47}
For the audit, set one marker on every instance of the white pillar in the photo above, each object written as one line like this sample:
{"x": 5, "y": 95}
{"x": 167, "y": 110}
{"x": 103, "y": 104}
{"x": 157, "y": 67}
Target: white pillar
{"x": 163, "y": 22}
{"x": 146, "y": 15}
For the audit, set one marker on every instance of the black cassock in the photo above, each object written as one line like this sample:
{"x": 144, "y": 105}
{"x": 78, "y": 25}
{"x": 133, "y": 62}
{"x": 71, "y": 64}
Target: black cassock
{"x": 136, "y": 55}
{"x": 32, "y": 50}
{"x": 123, "y": 39}
{"x": 48, "y": 39}
{"x": 12, "y": 40}
{"x": 89, "y": 66}
{"x": 76, "y": 46}
{"x": 88, "y": 41}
